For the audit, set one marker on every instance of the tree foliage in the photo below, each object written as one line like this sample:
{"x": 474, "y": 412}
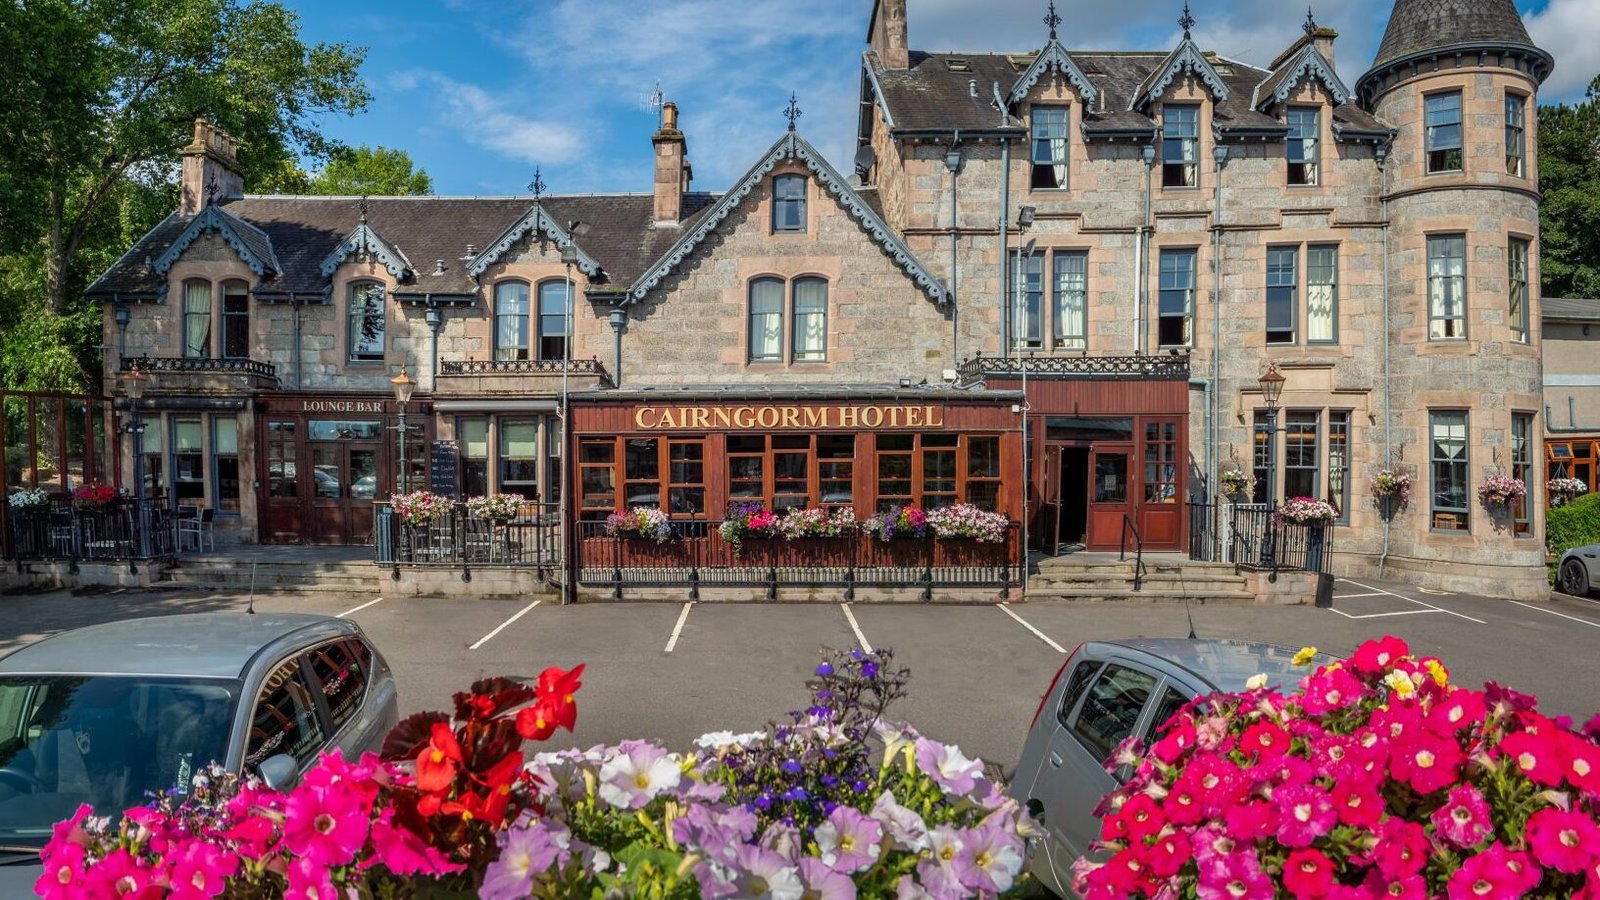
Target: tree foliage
{"x": 378, "y": 171}
{"x": 95, "y": 97}
{"x": 1569, "y": 178}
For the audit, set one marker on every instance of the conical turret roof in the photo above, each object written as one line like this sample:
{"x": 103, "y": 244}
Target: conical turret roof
{"x": 1420, "y": 25}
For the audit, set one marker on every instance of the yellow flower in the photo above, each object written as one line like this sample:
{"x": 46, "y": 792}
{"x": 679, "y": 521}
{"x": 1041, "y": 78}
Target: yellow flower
{"x": 1441, "y": 675}
{"x": 1304, "y": 657}
{"x": 1400, "y": 684}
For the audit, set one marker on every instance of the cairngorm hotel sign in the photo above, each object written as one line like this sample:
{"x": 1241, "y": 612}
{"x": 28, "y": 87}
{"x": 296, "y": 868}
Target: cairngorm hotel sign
{"x": 769, "y": 418}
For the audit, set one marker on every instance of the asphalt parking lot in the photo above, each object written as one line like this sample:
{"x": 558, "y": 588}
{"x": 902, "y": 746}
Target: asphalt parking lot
{"x": 674, "y": 671}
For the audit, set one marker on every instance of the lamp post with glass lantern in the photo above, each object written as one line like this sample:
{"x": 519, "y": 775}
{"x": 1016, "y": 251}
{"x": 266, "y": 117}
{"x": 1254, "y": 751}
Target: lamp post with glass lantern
{"x": 134, "y": 383}
{"x": 1271, "y": 383}
{"x": 403, "y": 385}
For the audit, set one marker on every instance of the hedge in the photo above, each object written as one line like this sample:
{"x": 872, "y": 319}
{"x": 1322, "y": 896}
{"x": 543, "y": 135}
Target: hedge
{"x": 1573, "y": 525}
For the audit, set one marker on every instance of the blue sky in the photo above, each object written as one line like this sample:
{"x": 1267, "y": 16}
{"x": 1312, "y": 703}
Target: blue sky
{"x": 479, "y": 92}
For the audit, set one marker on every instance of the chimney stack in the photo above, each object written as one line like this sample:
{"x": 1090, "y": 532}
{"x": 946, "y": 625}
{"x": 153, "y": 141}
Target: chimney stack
{"x": 210, "y": 168}
{"x": 672, "y": 167}
{"x": 1323, "y": 38}
{"x": 887, "y": 34}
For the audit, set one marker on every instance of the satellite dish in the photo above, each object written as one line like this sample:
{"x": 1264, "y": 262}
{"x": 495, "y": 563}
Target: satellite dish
{"x": 864, "y": 160}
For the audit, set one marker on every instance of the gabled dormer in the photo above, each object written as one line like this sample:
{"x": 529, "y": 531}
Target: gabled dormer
{"x": 536, "y": 224}
{"x": 363, "y": 242}
{"x": 251, "y": 244}
{"x": 1049, "y": 114}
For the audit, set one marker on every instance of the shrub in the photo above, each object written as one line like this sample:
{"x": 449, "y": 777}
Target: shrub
{"x": 1573, "y": 524}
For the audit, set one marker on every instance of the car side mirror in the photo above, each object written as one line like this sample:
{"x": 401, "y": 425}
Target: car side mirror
{"x": 280, "y": 772}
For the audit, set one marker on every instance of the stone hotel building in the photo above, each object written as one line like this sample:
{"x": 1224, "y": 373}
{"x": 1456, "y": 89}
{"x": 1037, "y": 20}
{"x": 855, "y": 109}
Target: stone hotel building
{"x": 1047, "y": 283}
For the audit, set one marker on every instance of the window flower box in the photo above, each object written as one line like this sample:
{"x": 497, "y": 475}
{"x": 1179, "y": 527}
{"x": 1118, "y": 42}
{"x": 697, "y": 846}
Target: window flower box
{"x": 420, "y": 508}
{"x": 497, "y": 508}
{"x": 646, "y": 522}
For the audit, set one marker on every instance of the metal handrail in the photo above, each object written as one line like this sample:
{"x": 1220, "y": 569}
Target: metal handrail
{"x": 1138, "y": 550}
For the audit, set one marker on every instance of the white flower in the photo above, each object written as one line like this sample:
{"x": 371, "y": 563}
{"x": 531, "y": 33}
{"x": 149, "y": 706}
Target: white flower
{"x": 630, "y": 780}
{"x": 1256, "y": 682}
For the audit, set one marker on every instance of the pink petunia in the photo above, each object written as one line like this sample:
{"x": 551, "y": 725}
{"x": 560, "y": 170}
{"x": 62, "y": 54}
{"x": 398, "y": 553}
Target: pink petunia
{"x": 1460, "y": 709}
{"x": 1359, "y": 804}
{"x": 1402, "y": 848}
{"x": 1265, "y": 741}
{"x": 1232, "y": 877}
{"x": 119, "y": 874}
{"x": 325, "y": 825}
{"x": 1564, "y": 841}
{"x": 1379, "y": 656}
{"x": 1409, "y": 887}
{"x": 1427, "y": 762}
{"x": 201, "y": 870}
{"x": 1537, "y": 756}
{"x": 1251, "y": 821}
{"x": 1305, "y": 813}
{"x": 1308, "y": 873}
{"x": 1484, "y": 876}
{"x": 1143, "y": 817}
{"x": 308, "y": 881}
{"x": 1463, "y": 820}
{"x": 64, "y": 873}
{"x": 1583, "y": 764}
{"x": 1168, "y": 854}
{"x": 1330, "y": 690}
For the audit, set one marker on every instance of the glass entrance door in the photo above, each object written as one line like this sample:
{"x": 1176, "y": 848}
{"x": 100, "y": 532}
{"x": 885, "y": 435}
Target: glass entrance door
{"x": 343, "y": 479}
{"x": 1110, "y": 494}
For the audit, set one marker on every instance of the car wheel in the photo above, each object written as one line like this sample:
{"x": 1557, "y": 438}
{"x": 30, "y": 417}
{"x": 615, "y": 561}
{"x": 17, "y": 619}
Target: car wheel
{"x": 1574, "y": 578}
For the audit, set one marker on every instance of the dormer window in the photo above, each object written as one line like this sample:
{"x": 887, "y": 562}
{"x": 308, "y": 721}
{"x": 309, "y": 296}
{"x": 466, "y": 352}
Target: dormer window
{"x": 366, "y": 319}
{"x": 1305, "y": 127}
{"x": 789, "y": 203}
{"x": 1180, "y": 146}
{"x": 1444, "y": 132}
{"x": 1049, "y": 148}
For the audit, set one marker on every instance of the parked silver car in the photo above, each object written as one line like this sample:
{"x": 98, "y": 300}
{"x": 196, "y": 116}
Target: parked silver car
{"x": 1106, "y": 692}
{"x": 104, "y": 714}
{"x": 1579, "y": 571}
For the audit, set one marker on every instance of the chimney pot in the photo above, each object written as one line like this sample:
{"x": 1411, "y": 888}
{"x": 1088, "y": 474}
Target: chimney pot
{"x": 210, "y": 168}
{"x": 672, "y": 171}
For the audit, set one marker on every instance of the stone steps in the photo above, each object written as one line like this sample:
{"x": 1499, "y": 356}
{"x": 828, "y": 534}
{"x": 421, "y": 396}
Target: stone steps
{"x": 278, "y": 577}
{"x": 1098, "y": 577}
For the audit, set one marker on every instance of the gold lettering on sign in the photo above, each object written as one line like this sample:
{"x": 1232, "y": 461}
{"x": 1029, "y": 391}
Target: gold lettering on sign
{"x": 791, "y": 416}
{"x": 338, "y": 406}
{"x": 849, "y": 417}
{"x": 720, "y": 413}
{"x": 816, "y": 417}
{"x": 914, "y": 416}
{"x": 872, "y": 416}
{"x": 638, "y": 417}
{"x": 767, "y": 417}
{"x": 934, "y": 421}
{"x": 702, "y": 418}
{"x": 744, "y": 417}
{"x": 667, "y": 421}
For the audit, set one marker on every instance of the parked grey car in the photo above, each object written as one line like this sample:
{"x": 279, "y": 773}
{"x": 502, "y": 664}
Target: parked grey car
{"x": 103, "y": 714}
{"x": 1106, "y": 692}
{"x": 1579, "y": 571}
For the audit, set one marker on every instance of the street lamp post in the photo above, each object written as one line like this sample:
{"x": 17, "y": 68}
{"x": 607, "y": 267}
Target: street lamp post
{"x": 569, "y": 258}
{"x": 403, "y": 385}
{"x": 1271, "y": 383}
{"x": 134, "y": 383}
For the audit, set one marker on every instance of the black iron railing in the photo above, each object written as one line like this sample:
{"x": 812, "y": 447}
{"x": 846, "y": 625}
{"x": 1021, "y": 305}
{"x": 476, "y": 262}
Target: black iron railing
{"x": 199, "y": 364}
{"x": 1138, "y": 550}
{"x": 1202, "y": 538}
{"x": 697, "y": 556}
{"x": 1263, "y": 543}
{"x": 1160, "y": 368}
{"x": 521, "y": 367}
{"x": 462, "y": 539}
{"x": 123, "y": 529}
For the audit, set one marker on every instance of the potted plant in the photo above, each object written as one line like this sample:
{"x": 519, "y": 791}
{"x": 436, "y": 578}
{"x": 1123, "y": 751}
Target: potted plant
{"x": 420, "y": 507}
{"x": 1497, "y": 491}
{"x": 1236, "y": 482}
{"x": 497, "y": 508}
{"x": 640, "y": 522}
{"x": 905, "y": 521}
{"x": 1563, "y": 490}
{"x": 963, "y": 521}
{"x": 1391, "y": 489}
{"x": 798, "y": 524}
{"x": 747, "y": 520}
{"x": 28, "y": 500}
{"x": 1314, "y": 515}
{"x": 93, "y": 496}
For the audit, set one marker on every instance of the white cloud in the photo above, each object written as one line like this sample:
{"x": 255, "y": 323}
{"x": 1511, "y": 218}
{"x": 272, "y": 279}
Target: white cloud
{"x": 1570, "y": 31}
{"x": 490, "y": 122}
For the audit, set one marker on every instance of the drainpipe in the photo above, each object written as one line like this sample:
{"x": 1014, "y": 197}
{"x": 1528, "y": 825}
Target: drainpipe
{"x": 952, "y": 161}
{"x": 435, "y": 319}
{"x": 1382, "y": 154}
{"x": 1572, "y": 426}
{"x": 1213, "y": 383}
{"x": 619, "y": 321}
{"x": 294, "y": 349}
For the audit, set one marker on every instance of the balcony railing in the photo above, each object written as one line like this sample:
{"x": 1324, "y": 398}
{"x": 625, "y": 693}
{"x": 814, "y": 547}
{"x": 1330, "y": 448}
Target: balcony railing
{"x": 521, "y": 367}
{"x": 1145, "y": 368}
{"x": 461, "y": 539}
{"x": 123, "y": 529}
{"x": 199, "y": 364}
{"x": 697, "y": 556}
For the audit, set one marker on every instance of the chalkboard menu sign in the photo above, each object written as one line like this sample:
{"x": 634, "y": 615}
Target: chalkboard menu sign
{"x": 442, "y": 468}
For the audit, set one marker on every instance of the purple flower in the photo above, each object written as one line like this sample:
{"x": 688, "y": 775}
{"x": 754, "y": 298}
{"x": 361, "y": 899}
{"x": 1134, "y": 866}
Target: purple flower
{"x": 1305, "y": 813}
{"x": 524, "y": 853}
{"x": 948, "y": 768}
{"x": 907, "y": 828}
{"x": 825, "y": 669}
{"x": 636, "y": 775}
{"x": 761, "y": 873}
{"x": 848, "y": 841}
{"x": 869, "y": 670}
{"x": 824, "y": 883}
{"x": 793, "y": 767}
{"x": 990, "y": 859}
{"x": 717, "y": 835}
{"x": 1464, "y": 818}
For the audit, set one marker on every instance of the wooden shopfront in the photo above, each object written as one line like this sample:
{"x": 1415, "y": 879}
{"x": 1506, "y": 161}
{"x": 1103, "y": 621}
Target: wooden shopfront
{"x": 693, "y": 455}
{"x": 324, "y": 459}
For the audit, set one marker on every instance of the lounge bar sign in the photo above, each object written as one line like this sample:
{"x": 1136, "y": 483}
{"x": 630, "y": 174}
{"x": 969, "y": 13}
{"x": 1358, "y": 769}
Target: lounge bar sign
{"x": 770, "y": 418}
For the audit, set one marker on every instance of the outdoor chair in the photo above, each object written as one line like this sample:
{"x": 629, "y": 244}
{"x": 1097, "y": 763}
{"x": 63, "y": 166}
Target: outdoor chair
{"x": 199, "y": 527}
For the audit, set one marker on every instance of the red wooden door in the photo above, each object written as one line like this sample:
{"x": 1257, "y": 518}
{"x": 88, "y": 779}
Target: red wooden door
{"x": 1111, "y": 493}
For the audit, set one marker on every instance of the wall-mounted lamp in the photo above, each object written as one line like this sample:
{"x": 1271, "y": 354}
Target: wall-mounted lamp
{"x": 1025, "y": 216}
{"x": 1220, "y": 154}
{"x": 1149, "y": 155}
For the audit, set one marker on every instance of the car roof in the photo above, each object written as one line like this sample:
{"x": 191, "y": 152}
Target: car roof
{"x": 200, "y": 645}
{"x": 1225, "y": 664}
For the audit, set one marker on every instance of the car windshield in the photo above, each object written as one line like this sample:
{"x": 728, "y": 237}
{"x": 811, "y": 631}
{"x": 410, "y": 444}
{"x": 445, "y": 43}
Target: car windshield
{"x": 102, "y": 740}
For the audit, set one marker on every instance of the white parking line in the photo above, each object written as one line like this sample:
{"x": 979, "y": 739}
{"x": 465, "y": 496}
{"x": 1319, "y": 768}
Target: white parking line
{"x": 1036, "y": 632}
{"x": 358, "y": 608}
{"x": 866, "y": 647}
{"x": 501, "y": 627}
{"x": 1353, "y": 596}
{"x": 1403, "y": 612}
{"x": 1447, "y": 612}
{"x": 1554, "y": 613}
{"x": 678, "y": 628}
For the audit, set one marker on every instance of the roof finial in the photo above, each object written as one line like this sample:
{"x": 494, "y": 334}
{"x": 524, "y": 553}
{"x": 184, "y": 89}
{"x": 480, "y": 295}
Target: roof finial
{"x": 363, "y": 207}
{"x": 1310, "y": 27}
{"x": 793, "y": 112}
{"x": 1186, "y": 21}
{"x": 536, "y": 185}
{"x": 212, "y": 189}
{"x": 1052, "y": 20}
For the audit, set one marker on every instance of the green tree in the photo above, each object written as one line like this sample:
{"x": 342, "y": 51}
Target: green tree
{"x": 1569, "y": 178}
{"x": 118, "y": 89}
{"x": 378, "y": 171}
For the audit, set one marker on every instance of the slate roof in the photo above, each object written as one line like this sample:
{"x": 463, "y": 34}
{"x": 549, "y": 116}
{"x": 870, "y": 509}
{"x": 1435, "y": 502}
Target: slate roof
{"x": 1573, "y": 310}
{"x": 303, "y": 231}
{"x": 1419, "y": 25}
{"x": 934, "y": 94}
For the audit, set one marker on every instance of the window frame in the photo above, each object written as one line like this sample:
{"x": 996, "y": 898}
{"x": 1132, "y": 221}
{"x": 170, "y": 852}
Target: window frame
{"x": 1027, "y": 326}
{"x": 1519, "y": 251}
{"x": 1039, "y": 132}
{"x": 1309, "y": 163}
{"x": 197, "y": 312}
{"x": 1436, "y": 151}
{"x": 1313, "y": 266}
{"x": 216, "y": 456}
{"x": 318, "y": 715}
{"x": 1059, "y": 293}
{"x": 796, "y": 354}
{"x": 1516, "y": 134}
{"x": 470, "y": 485}
{"x": 750, "y": 320}
{"x": 1442, "y": 286}
{"x": 1339, "y": 429}
{"x": 363, "y": 288}
{"x": 235, "y": 322}
{"x": 1185, "y": 140}
{"x": 554, "y": 346}
{"x": 786, "y": 207}
{"x": 503, "y": 459}
{"x": 1463, "y": 513}
{"x": 1192, "y": 254}
{"x": 517, "y": 349}
{"x": 195, "y": 457}
{"x": 1093, "y": 743}
{"x": 1283, "y": 291}
{"x": 1522, "y": 438}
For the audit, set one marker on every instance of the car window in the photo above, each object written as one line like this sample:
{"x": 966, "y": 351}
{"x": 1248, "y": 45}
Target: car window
{"x": 1111, "y": 708}
{"x": 1076, "y": 682}
{"x": 341, "y": 670}
{"x": 285, "y": 720}
{"x": 1171, "y": 701}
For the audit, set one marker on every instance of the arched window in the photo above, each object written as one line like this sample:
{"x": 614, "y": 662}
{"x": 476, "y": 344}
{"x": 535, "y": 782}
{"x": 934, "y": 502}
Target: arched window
{"x": 553, "y": 320}
{"x": 511, "y": 320}
{"x": 789, "y": 203}
{"x": 810, "y": 320}
{"x": 235, "y": 320}
{"x": 766, "y": 320}
{"x": 366, "y": 321}
{"x": 197, "y": 319}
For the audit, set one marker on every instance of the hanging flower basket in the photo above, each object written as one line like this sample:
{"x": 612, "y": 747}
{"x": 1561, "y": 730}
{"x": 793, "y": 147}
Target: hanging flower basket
{"x": 1500, "y": 490}
{"x": 1236, "y": 482}
{"x": 1562, "y": 490}
{"x": 1306, "y": 511}
{"x": 93, "y": 496}
{"x": 29, "y": 500}
{"x": 420, "y": 507}
{"x": 497, "y": 508}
